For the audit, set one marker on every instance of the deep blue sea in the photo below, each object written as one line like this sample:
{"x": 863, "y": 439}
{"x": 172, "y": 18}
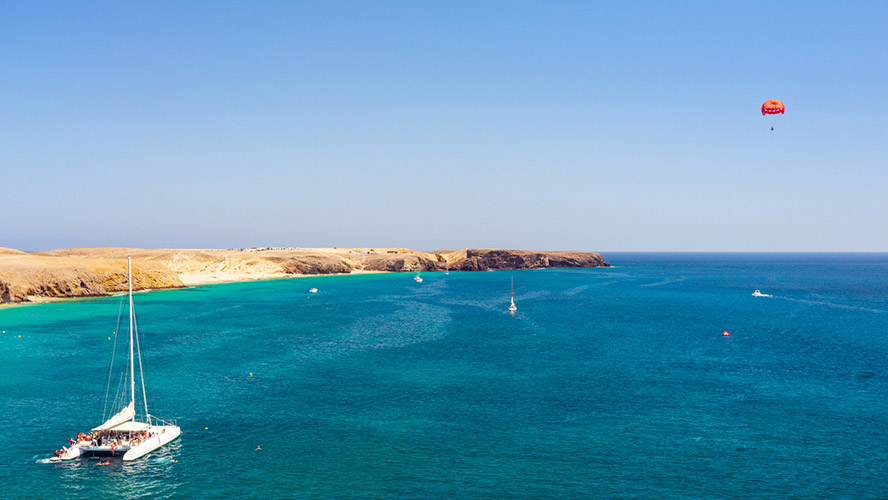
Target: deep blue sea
{"x": 607, "y": 383}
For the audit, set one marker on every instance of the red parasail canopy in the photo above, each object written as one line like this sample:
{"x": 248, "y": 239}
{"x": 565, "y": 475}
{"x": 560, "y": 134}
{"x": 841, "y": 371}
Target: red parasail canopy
{"x": 773, "y": 107}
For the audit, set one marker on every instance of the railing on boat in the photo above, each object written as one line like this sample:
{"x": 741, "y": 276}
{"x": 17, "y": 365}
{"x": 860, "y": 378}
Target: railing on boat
{"x": 163, "y": 422}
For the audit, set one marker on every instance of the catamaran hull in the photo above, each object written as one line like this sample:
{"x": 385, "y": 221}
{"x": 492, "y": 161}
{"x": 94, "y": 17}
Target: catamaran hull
{"x": 72, "y": 453}
{"x": 161, "y": 435}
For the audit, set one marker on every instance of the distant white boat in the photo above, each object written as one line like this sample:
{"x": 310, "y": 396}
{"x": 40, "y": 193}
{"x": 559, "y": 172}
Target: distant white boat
{"x": 418, "y": 278}
{"x": 123, "y": 434}
{"x": 312, "y": 290}
{"x": 513, "y": 307}
{"x": 758, "y": 293}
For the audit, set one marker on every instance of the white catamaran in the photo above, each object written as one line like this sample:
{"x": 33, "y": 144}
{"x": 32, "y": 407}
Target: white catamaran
{"x": 124, "y": 433}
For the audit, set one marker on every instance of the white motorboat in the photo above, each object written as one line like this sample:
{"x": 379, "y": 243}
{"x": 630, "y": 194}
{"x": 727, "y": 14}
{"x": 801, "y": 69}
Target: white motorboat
{"x": 312, "y": 290}
{"x": 758, "y": 293}
{"x": 124, "y": 433}
{"x": 513, "y": 307}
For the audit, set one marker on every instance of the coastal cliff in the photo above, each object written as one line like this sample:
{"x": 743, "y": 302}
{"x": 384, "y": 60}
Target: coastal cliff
{"x": 483, "y": 260}
{"x": 89, "y": 272}
{"x": 28, "y": 278}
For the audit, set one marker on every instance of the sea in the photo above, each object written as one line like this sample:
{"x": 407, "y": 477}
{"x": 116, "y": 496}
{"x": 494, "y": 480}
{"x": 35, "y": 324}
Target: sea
{"x": 606, "y": 383}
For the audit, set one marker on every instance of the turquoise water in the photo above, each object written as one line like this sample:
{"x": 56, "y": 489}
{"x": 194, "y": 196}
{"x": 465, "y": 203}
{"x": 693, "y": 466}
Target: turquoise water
{"x": 607, "y": 383}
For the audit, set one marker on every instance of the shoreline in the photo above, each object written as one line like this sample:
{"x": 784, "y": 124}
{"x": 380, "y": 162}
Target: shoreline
{"x": 200, "y": 279}
{"x": 96, "y": 272}
{"x": 194, "y": 280}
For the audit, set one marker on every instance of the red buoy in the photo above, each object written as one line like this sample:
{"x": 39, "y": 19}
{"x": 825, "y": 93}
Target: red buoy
{"x": 726, "y": 333}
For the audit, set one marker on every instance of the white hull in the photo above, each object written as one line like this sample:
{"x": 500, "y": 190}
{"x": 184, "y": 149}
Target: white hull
{"x": 161, "y": 435}
{"x": 70, "y": 454}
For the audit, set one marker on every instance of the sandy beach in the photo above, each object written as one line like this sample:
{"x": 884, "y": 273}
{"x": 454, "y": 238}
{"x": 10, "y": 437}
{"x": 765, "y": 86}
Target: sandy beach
{"x": 203, "y": 278}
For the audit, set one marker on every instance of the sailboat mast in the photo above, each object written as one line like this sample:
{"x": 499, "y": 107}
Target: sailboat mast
{"x": 129, "y": 268}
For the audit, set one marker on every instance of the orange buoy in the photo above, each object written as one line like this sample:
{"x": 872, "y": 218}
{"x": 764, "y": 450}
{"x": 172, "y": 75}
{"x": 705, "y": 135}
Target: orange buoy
{"x": 726, "y": 333}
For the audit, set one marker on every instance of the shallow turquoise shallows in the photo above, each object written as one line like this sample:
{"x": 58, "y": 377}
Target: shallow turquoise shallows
{"x": 607, "y": 383}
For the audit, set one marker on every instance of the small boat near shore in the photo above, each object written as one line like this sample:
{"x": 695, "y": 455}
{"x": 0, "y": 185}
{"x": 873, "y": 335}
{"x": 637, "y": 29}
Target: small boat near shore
{"x": 124, "y": 433}
{"x": 513, "y": 307}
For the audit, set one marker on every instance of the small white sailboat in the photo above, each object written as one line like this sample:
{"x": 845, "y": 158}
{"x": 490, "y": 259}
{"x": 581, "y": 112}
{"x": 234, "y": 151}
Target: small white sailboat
{"x": 447, "y": 269}
{"x": 124, "y": 433}
{"x": 418, "y": 278}
{"x": 513, "y": 307}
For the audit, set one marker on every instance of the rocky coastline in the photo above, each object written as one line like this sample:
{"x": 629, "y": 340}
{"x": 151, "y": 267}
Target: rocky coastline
{"x": 93, "y": 272}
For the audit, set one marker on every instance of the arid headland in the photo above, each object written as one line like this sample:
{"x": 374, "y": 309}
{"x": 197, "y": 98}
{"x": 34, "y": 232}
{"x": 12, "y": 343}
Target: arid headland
{"x": 89, "y": 272}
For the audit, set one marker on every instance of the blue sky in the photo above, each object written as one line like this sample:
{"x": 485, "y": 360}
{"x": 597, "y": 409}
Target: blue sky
{"x": 616, "y": 126}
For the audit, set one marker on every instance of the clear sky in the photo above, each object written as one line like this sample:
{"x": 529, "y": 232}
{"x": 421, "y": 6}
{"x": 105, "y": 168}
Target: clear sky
{"x": 433, "y": 125}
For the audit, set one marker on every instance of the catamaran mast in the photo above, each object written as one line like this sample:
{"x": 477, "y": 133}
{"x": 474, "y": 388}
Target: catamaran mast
{"x": 129, "y": 268}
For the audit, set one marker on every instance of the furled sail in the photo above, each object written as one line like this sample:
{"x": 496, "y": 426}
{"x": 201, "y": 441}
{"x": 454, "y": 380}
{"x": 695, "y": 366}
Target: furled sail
{"x": 122, "y": 416}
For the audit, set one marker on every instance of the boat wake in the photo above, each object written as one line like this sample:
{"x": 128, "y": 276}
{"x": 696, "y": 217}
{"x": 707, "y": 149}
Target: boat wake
{"x": 661, "y": 283}
{"x": 577, "y": 289}
{"x": 833, "y": 304}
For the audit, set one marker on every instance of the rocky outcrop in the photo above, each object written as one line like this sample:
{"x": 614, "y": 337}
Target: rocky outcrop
{"x": 576, "y": 259}
{"x": 483, "y": 260}
{"x": 399, "y": 263}
{"x": 39, "y": 277}
{"x": 316, "y": 264}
